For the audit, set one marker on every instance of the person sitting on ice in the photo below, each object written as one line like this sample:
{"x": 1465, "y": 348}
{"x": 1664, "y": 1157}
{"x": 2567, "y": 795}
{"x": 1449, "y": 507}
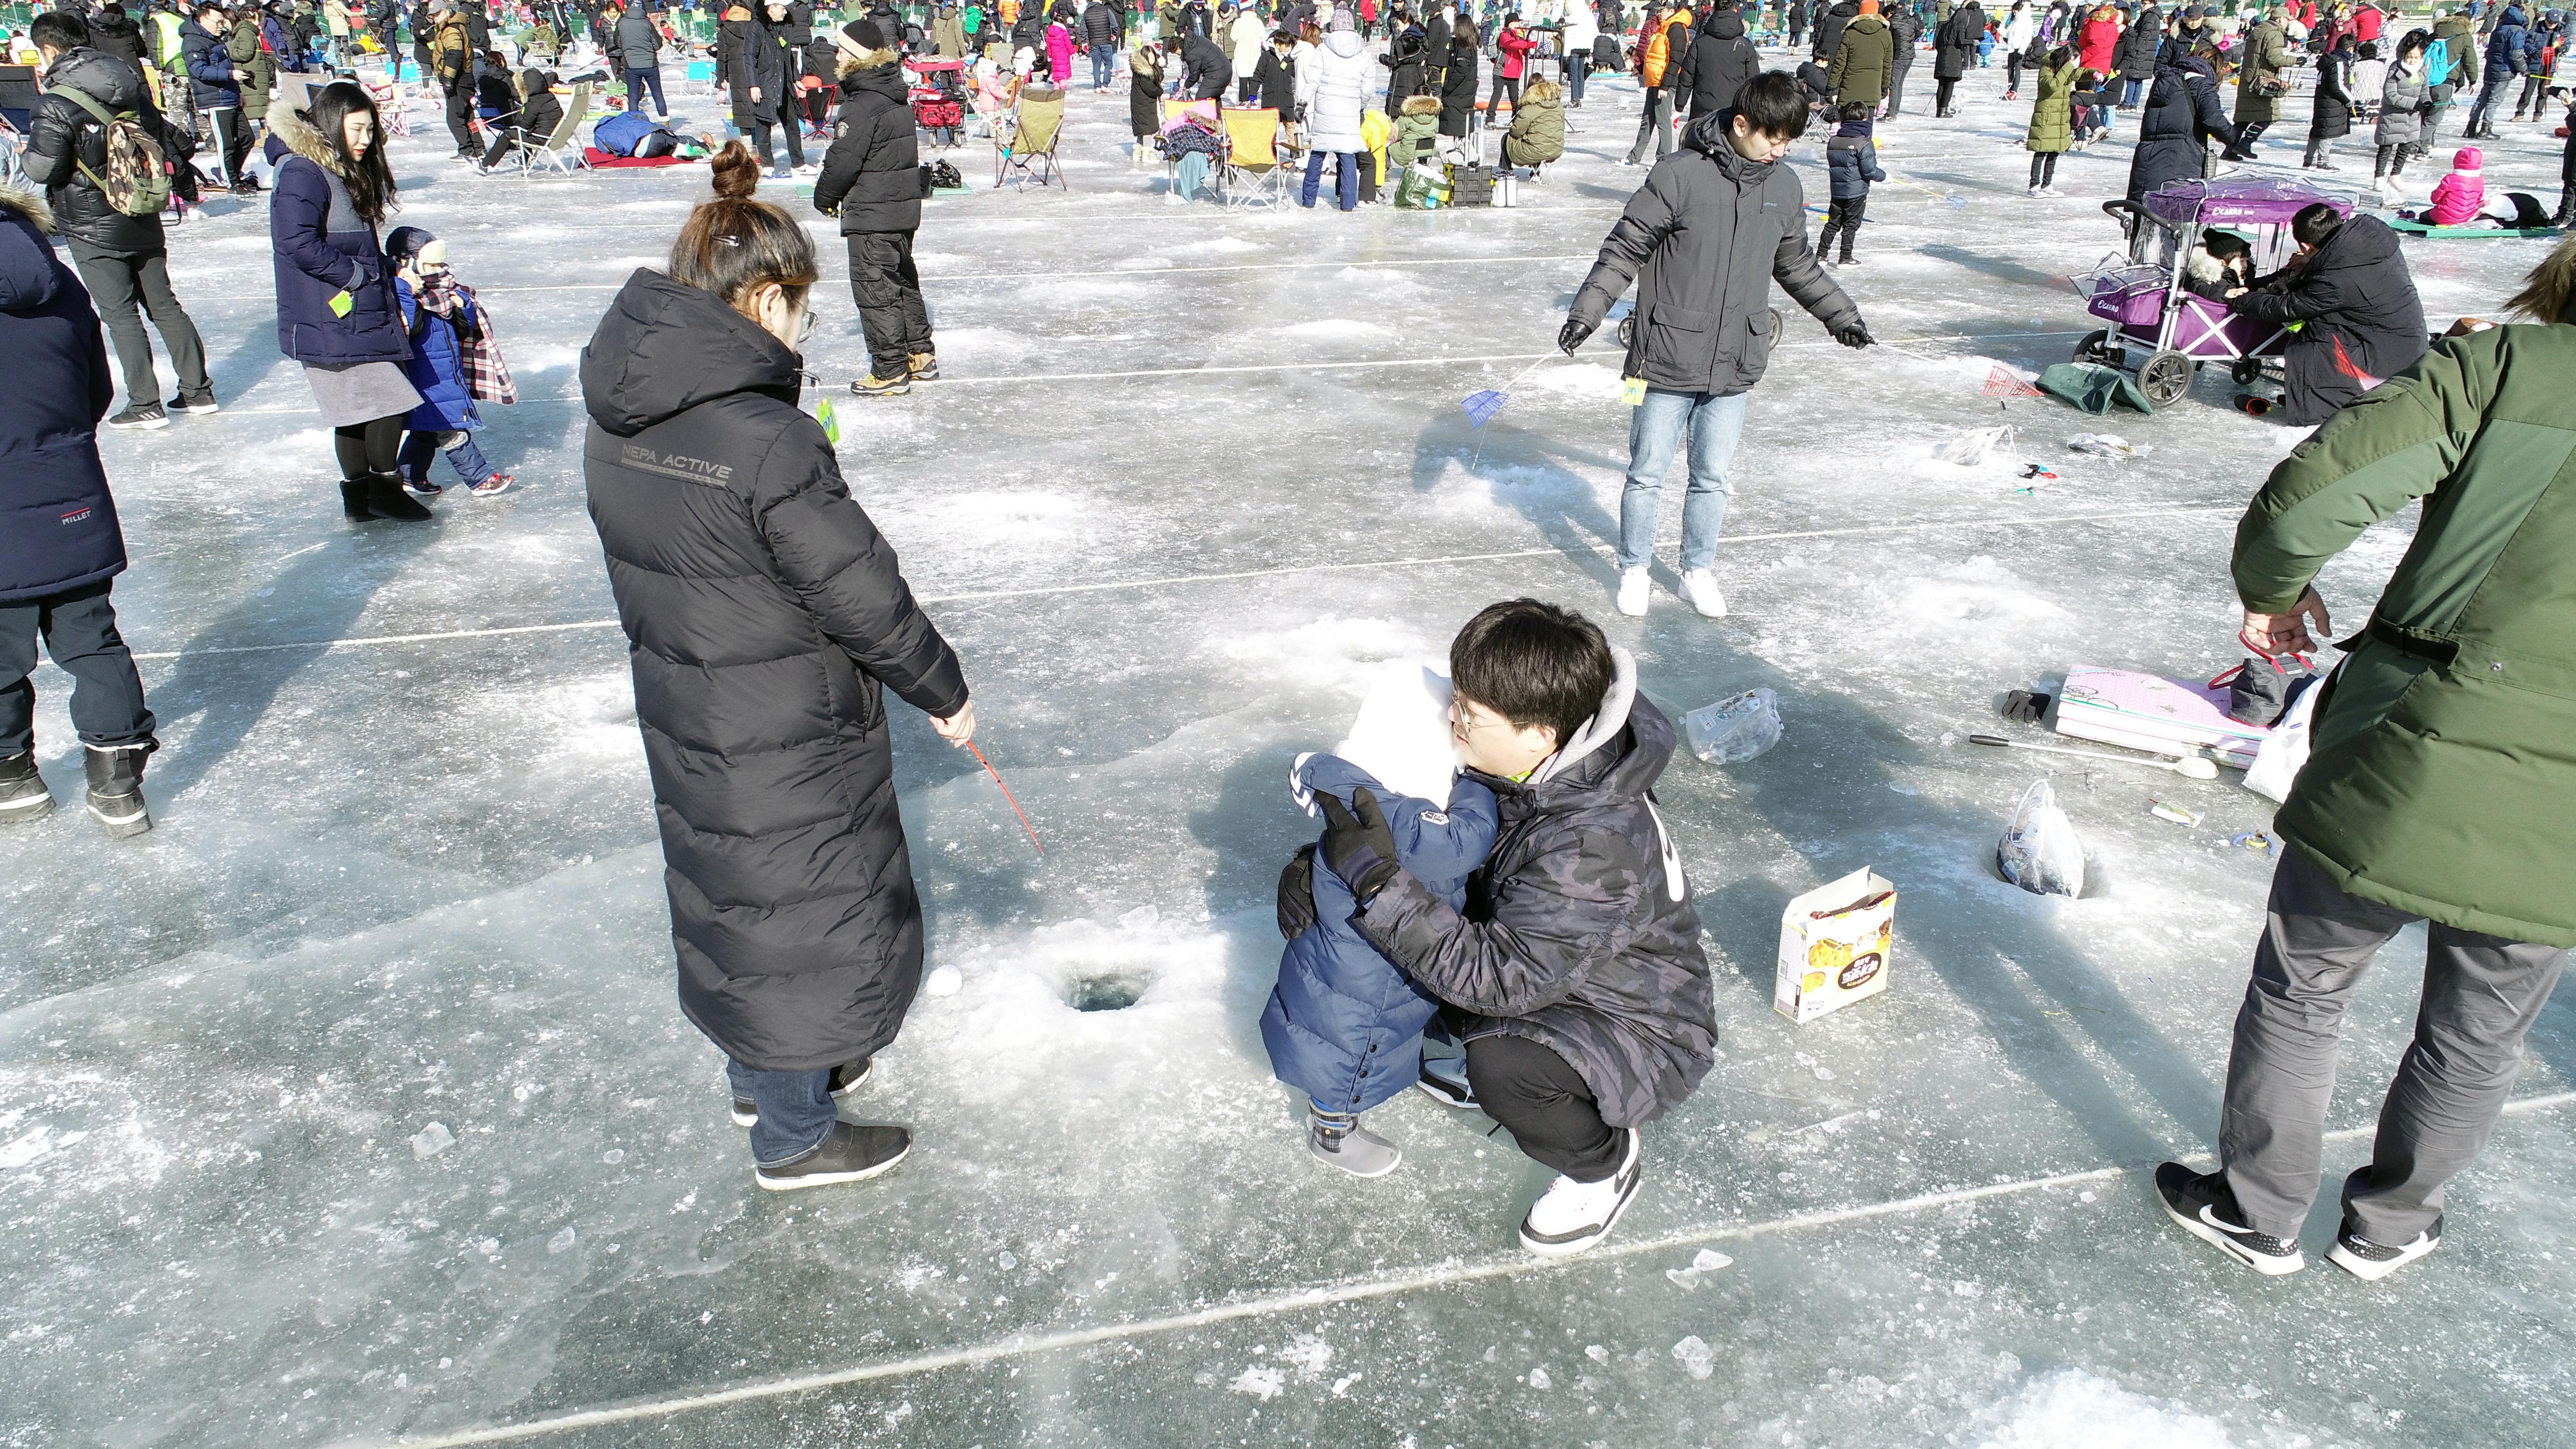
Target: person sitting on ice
{"x": 1573, "y": 973}
{"x": 1343, "y": 1025}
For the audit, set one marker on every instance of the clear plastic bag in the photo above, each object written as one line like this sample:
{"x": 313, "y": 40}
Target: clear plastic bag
{"x": 1971, "y": 447}
{"x": 2040, "y": 851}
{"x": 1736, "y": 729}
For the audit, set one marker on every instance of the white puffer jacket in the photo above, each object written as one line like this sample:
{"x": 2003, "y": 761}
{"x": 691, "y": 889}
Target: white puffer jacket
{"x": 1335, "y": 91}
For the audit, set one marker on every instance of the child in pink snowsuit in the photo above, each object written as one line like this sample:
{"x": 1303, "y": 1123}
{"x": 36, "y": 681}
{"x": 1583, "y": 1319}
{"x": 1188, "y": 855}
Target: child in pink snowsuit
{"x": 2458, "y": 197}
{"x": 1060, "y": 53}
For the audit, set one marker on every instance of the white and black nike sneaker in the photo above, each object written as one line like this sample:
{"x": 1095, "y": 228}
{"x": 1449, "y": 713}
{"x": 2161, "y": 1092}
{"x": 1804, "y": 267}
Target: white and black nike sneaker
{"x": 2205, "y": 1206}
{"x": 845, "y": 1078}
{"x": 1444, "y": 1080}
{"x": 2365, "y": 1259}
{"x": 1573, "y": 1216}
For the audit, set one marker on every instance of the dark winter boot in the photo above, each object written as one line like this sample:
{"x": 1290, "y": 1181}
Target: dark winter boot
{"x": 2566, "y": 216}
{"x": 353, "y": 497}
{"x": 386, "y": 498}
{"x": 852, "y": 1153}
{"x": 23, "y": 795}
{"x": 116, "y": 788}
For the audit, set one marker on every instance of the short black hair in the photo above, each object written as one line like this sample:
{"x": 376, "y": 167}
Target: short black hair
{"x": 54, "y": 30}
{"x": 1857, "y": 111}
{"x": 1771, "y": 103}
{"x": 1534, "y": 664}
{"x": 2315, "y": 222}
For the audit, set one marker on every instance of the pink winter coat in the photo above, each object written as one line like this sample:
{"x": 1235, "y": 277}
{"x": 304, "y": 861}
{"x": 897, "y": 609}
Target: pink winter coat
{"x": 2458, "y": 197}
{"x": 1060, "y": 52}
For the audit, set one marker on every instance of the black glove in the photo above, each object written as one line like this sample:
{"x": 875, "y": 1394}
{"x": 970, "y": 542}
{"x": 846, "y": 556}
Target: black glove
{"x": 1359, "y": 848}
{"x": 1297, "y": 894}
{"x": 1854, "y": 333}
{"x": 1572, "y": 334}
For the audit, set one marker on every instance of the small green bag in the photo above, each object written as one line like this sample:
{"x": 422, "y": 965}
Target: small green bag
{"x": 2093, "y": 387}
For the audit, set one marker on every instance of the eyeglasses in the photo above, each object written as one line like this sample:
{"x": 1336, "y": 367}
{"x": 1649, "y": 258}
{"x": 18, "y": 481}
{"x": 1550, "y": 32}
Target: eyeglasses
{"x": 805, "y": 330}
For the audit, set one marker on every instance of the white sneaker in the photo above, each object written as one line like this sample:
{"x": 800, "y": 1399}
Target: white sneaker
{"x": 1699, "y": 589}
{"x": 1573, "y": 1216}
{"x": 1634, "y": 585}
{"x": 2035, "y": 191}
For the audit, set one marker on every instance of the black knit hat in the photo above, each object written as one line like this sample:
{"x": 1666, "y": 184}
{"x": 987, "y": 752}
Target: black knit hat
{"x": 864, "y": 34}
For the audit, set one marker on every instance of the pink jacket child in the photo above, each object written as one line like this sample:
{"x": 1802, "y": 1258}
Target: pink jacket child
{"x": 2458, "y": 197}
{"x": 1060, "y": 53}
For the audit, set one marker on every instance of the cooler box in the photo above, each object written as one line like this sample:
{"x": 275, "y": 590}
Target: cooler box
{"x": 2150, "y": 712}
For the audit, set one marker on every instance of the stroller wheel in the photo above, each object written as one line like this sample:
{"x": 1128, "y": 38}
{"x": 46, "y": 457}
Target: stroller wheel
{"x": 2165, "y": 377}
{"x": 2245, "y": 370}
{"x": 2095, "y": 347}
{"x": 1628, "y": 331}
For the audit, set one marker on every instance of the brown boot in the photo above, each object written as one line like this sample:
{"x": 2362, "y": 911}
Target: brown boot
{"x": 924, "y": 366}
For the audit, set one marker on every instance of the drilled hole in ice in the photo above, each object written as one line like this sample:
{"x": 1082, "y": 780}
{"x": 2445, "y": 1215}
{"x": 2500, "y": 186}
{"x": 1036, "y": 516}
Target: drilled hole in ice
{"x": 1106, "y": 990}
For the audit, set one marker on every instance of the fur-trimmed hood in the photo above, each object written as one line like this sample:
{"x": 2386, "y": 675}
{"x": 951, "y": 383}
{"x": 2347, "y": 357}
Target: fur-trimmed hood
{"x": 854, "y": 61}
{"x": 29, "y": 205}
{"x": 293, "y": 131}
{"x": 1540, "y": 90}
{"x": 1421, "y": 105}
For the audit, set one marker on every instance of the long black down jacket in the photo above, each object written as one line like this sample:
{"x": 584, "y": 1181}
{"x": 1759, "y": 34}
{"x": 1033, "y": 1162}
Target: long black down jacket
{"x": 872, "y": 175}
{"x": 764, "y": 616}
{"x": 58, "y": 526}
{"x": 2362, "y": 322}
{"x": 2183, "y": 114}
{"x": 1721, "y": 60}
{"x": 1579, "y": 932}
{"x": 1705, "y": 237}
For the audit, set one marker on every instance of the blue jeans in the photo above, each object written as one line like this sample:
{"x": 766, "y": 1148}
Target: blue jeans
{"x": 637, "y": 78}
{"x": 1104, "y": 66}
{"x": 2129, "y": 92}
{"x": 795, "y": 1110}
{"x": 1346, "y": 182}
{"x": 465, "y": 458}
{"x": 1655, "y": 430}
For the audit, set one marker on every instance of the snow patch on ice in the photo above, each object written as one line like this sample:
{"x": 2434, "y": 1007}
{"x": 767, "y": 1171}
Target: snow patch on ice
{"x": 998, "y": 517}
{"x": 1978, "y": 601}
{"x": 1329, "y": 653}
{"x": 1262, "y": 1383}
{"x": 1309, "y": 1355}
{"x": 1332, "y": 328}
{"x": 1220, "y": 246}
{"x": 2072, "y": 1407}
{"x": 1589, "y": 380}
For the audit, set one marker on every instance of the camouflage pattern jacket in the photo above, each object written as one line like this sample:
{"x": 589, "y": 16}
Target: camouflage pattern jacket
{"x": 1579, "y": 932}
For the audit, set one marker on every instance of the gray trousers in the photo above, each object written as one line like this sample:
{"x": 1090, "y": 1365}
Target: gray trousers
{"x": 1656, "y": 124}
{"x": 2481, "y": 995}
{"x": 120, "y": 283}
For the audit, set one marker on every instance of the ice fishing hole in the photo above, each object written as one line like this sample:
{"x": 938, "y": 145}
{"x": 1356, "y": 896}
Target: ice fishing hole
{"x": 1106, "y": 990}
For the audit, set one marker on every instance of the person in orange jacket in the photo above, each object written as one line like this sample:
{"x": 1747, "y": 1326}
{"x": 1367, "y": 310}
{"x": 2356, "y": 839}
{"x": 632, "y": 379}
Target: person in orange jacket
{"x": 1662, "y": 43}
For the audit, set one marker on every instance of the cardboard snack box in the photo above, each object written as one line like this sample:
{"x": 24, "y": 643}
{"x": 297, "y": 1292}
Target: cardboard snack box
{"x": 1836, "y": 944}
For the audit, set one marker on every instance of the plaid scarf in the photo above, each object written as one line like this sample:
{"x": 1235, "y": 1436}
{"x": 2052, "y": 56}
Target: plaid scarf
{"x": 478, "y": 353}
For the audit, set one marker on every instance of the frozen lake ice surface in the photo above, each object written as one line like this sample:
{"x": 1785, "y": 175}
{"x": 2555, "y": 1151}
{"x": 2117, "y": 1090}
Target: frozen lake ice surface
{"x": 351, "y": 1105}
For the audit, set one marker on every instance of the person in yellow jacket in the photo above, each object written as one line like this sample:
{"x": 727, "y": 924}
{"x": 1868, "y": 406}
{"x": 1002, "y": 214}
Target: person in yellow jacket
{"x": 1662, "y": 42}
{"x": 1375, "y": 131}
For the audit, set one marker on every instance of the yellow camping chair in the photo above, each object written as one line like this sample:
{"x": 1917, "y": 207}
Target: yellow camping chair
{"x": 1028, "y": 151}
{"x": 1253, "y": 170}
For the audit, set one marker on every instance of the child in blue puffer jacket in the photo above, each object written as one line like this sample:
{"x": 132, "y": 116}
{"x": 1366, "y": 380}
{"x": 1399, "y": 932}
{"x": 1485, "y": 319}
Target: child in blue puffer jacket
{"x": 1851, "y": 164}
{"x": 1344, "y": 1025}
{"x": 445, "y": 322}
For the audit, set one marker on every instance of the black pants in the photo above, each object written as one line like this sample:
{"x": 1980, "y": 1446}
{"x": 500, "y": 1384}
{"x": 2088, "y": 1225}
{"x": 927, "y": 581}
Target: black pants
{"x": 746, "y": 119}
{"x": 1543, "y": 1101}
{"x": 460, "y": 113}
{"x": 232, "y": 140}
{"x": 1504, "y": 85}
{"x": 2043, "y": 168}
{"x": 79, "y": 628}
{"x": 368, "y": 448}
{"x": 888, "y": 291}
{"x": 119, "y": 284}
{"x": 1941, "y": 96}
{"x": 1842, "y": 217}
{"x": 2012, "y": 71}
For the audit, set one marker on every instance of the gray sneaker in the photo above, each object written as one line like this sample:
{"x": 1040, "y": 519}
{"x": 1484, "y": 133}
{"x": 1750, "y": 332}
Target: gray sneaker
{"x": 1344, "y": 1143}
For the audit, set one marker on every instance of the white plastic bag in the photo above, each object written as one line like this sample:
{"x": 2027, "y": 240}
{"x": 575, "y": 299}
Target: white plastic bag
{"x": 2284, "y": 751}
{"x": 2040, "y": 851}
{"x": 1970, "y": 448}
{"x": 1734, "y": 730}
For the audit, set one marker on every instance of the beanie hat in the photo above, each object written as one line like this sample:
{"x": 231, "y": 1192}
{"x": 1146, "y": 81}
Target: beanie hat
{"x": 864, "y": 34}
{"x": 406, "y": 242}
{"x": 2468, "y": 158}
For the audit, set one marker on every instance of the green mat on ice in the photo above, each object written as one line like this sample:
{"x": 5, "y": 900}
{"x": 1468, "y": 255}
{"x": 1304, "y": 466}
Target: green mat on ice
{"x": 2093, "y": 387}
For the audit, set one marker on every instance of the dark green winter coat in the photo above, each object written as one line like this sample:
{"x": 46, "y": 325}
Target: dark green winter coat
{"x": 2261, "y": 73}
{"x": 1538, "y": 127}
{"x": 2052, "y": 116}
{"x": 1862, "y": 62}
{"x": 253, "y": 67}
{"x": 2442, "y": 777}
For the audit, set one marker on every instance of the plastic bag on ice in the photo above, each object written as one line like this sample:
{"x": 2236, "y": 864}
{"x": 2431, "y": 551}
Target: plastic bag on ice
{"x": 1734, "y": 730}
{"x": 1970, "y": 448}
{"x": 2039, "y": 851}
{"x": 2284, "y": 751}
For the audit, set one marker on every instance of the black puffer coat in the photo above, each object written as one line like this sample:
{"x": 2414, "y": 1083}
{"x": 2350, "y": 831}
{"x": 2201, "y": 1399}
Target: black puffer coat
{"x": 1829, "y": 30}
{"x": 765, "y": 616}
{"x": 2182, "y": 115}
{"x": 1954, "y": 45}
{"x": 2145, "y": 37}
{"x": 2362, "y": 322}
{"x": 1457, "y": 89}
{"x": 1579, "y": 932}
{"x": 65, "y": 137}
{"x": 1720, "y": 61}
{"x": 2331, "y": 116}
{"x": 872, "y": 175}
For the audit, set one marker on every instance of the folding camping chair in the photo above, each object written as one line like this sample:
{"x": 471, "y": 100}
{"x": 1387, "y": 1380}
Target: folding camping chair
{"x": 1028, "y": 152}
{"x": 1253, "y": 170}
{"x": 393, "y": 108}
{"x": 561, "y": 151}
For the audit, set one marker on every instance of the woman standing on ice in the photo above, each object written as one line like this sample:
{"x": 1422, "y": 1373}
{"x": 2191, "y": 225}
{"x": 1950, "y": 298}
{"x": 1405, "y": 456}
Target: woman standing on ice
{"x": 764, "y": 617}
{"x": 336, "y": 310}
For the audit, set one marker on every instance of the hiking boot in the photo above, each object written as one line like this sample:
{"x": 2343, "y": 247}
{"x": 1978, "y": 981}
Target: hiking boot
{"x": 194, "y": 402}
{"x": 2203, "y": 1205}
{"x": 386, "y": 498}
{"x": 1573, "y": 1216}
{"x": 851, "y": 1153}
{"x": 116, "y": 788}
{"x": 1444, "y": 1080}
{"x": 1338, "y": 1138}
{"x": 140, "y": 415}
{"x": 23, "y": 795}
{"x": 2371, "y": 1261}
{"x": 925, "y": 366}
{"x": 1634, "y": 586}
{"x": 875, "y": 386}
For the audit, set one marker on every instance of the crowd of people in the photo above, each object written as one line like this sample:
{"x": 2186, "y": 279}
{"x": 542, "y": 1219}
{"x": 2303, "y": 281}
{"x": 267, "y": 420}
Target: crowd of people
{"x": 1522, "y": 900}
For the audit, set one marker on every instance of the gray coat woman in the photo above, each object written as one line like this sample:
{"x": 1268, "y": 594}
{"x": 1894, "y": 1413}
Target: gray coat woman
{"x": 2403, "y": 100}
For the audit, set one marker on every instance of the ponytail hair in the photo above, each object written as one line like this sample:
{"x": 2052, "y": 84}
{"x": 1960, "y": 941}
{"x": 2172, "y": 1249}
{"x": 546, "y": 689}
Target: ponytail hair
{"x": 2549, "y": 293}
{"x": 733, "y": 246}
